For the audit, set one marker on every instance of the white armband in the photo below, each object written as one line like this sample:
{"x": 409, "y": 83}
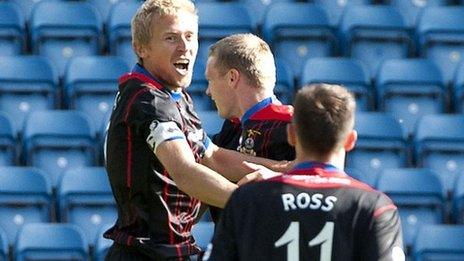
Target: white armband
{"x": 163, "y": 131}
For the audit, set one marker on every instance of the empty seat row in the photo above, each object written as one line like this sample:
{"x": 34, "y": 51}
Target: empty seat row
{"x": 83, "y": 198}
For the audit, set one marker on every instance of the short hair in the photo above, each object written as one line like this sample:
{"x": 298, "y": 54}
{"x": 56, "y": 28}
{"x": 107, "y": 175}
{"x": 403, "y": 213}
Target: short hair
{"x": 149, "y": 11}
{"x": 323, "y": 117}
{"x": 248, "y": 54}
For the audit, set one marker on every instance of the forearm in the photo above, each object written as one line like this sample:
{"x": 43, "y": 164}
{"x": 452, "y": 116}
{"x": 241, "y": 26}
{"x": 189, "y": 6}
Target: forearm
{"x": 230, "y": 163}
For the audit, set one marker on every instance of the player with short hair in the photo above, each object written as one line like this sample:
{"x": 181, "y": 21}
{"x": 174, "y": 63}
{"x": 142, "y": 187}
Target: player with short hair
{"x": 315, "y": 211}
{"x": 155, "y": 145}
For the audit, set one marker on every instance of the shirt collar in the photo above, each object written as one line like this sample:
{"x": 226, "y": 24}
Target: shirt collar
{"x": 257, "y": 107}
{"x": 176, "y": 96}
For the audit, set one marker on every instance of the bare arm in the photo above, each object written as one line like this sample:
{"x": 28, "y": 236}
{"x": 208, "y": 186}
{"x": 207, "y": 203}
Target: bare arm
{"x": 196, "y": 180}
{"x": 230, "y": 163}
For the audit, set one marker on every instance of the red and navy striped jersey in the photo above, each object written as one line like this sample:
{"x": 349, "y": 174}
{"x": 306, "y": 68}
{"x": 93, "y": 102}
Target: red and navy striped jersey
{"x": 154, "y": 216}
{"x": 314, "y": 212}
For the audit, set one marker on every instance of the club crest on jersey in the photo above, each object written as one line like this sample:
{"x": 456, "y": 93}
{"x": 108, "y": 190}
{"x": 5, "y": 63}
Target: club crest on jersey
{"x": 247, "y": 146}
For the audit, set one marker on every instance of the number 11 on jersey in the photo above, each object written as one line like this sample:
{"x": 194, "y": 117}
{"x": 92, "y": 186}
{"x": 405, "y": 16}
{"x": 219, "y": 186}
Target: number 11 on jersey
{"x": 291, "y": 238}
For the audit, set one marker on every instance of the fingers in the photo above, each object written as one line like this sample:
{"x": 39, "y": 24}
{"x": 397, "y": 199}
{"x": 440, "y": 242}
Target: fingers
{"x": 254, "y": 176}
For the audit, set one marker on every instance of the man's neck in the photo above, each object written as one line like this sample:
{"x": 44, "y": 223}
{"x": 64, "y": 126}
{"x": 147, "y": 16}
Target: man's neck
{"x": 336, "y": 159}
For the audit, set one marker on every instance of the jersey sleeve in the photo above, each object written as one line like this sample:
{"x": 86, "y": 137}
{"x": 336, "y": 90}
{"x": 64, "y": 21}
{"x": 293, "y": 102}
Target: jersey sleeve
{"x": 224, "y": 240}
{"x": 385, "y": 238}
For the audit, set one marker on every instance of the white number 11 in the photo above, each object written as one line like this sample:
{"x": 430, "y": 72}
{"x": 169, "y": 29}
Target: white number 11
{"x": 292, "y": 238}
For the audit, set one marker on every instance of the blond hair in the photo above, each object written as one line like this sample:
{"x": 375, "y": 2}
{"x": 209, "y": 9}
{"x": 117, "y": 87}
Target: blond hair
{"x": 248, "y": 54}
{"x": 152, "y": 10}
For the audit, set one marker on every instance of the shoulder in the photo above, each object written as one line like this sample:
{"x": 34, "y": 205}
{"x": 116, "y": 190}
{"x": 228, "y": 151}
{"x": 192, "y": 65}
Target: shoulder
{"x": 275, "y": 112}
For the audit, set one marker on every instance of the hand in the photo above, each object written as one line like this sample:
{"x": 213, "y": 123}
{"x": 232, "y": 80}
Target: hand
{"x": 259, "y": 173}
{"x": 282, "y": 166}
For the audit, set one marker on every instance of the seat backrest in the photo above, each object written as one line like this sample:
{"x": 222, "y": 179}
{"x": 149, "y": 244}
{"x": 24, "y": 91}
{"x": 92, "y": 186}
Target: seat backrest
{"x": 257, "y": 8}
{"x": 3, "y": 245}
{"x": 373, "y": 34}
{"x": 379, "y": 129}
{"x": 458, "y": 89}
{"x": 439, "y": 242}
{"x": 370, "y": 178}
{"x": 410, "y": 9}
{"x": 12, "y": 29}
{"x": 203, "y": 232}
{"x": 49, "y": 241}
{"x": 335, "y": 8}
{"x": 348, "y": 72}
{"x": 440, "y": 32}
{"x": 102, "y": 244}
{"x": 416, "y": 187}
{"x": 211, "y": 122}
{"x": 284, "y": 87}
{"x": 119, "y": 23}
{"x": 458, "y": 200}
{"x": 8, "y": 141}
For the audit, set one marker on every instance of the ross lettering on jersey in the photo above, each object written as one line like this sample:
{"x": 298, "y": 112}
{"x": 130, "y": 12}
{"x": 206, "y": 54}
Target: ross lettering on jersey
{"x": 304, "y": 200}
{"x": 163, "y": 131}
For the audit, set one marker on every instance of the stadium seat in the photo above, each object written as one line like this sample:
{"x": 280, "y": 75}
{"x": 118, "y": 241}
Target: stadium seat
{"x": 380, "y": 143}
{"x": 374, "y": 34}
{"x": 298, "y": 31}
{"x": 102, "y": 244}
{"x": 458, "y": 89}
{"x": 47, "y": 241}
{"x": 27, "y": 83}
{"x": 61, "y": 30}
{"x": 419, "y": 196}
{"x": 12, "y": 29}
{"x": 440, "y": 33}
{"x": 119, "y": 30}
{"x": 218, "y": 20}
{"x": 57, "y": 140}
{"x": 91, "y": 84}
{"x": 458, "y": 200}
{"x": 284, "y": 87}
{"x": 410, "y": 9}
{"x": 4, "y": 253}
{"x": 335, "y": 8}
{"x": 409, "y": 89}
{"x": 211, "y": 122}
{"x": 441, "y": 148}
{"x": 8, "y": 142}
{"x": 258, "y": 9}
{"x": 197, "y": 89}
{"x": 348, "y": 72}
{"x": 363, "y": 176}
{"x": 104, "y": 7}
{"x": 203, "y": 233}
{"x": 85, "y": 199}
{"x": 439, "y": 242}
{"x": 25, "y": 197}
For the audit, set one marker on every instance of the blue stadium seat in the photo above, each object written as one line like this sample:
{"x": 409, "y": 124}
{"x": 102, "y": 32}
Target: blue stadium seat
{"x": 363, "y": 176}
{"x": 91, "y": 84}
{"x": 458, "y": 89}
{"x": 197, "y": 89}
{"x": 85, "y": 199}
{"x": 203, "y": 233}
{"x": 410, "y": 9}
{"x": 458, "y": 200}
{"x": 284, "y": 87}
{"x": 380, "y": 144}
{"x": 409, "y": 89}
{"x": 8, "y": 142}
{"x": 25, "y": 197}
{"x": 335, "y": 8}
{"x": 4, "y": 253}
{"x": 47, "y": 241}
{"x": 57, "y": 140}
{"x": 419, "y": 196}
{"x": 441, "y": 148}
{"x": 12, "y": 29}
{"x": 218, "y": 20}
{"x": 258, "y": 9}
{"x": 298, "y": 31}
{"x": 119, "y": 30}
{"x": 104, "y": 7}
{"x": 440, "y": 33}
{"x": 374, "y": 34}
{"x": 211, "y": 122}
{"x": 102, "y": 244}
{"x": 348, "y": 72}
{"x": 27, "y": 83}
{"x": 439, "y": 242}
{"x": 61, "y": 30}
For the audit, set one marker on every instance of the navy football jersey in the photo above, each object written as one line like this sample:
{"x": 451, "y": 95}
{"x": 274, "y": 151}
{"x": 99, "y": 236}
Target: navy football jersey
{"x": 314, "y": 212}
{"x": 153, "y": 214}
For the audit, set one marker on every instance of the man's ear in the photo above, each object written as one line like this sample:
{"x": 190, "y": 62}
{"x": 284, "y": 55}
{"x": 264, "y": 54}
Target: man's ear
{"x": 291, "y": 134}
{"x": 233, "y": 76}
{"x": 350, "y": 140}
{"x": 140, "y": 50}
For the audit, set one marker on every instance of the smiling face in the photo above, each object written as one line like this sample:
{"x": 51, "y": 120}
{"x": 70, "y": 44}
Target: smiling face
{"x": 220, "y": 91}
{"x": 171, "y": 52}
